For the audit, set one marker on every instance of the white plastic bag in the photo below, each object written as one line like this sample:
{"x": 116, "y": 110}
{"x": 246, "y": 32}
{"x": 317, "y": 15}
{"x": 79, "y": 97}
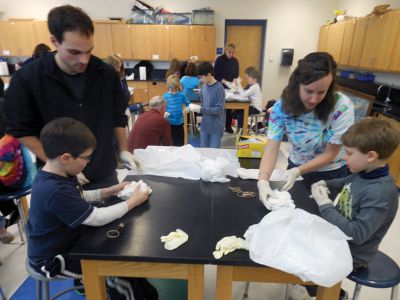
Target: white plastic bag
{"x": 297, "y": 242}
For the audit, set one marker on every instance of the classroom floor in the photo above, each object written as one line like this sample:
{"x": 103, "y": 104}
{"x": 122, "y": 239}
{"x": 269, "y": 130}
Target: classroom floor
{"x": 12, "y": 270}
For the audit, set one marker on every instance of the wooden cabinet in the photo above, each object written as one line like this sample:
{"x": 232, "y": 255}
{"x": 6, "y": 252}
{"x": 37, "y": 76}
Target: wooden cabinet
{"x": 379, "y": 40}
{"x": 349, "y": 27}
{"x": 335, "y": 39}
{"x": 102, "y": 38}
{"x": 159, "y": 42}
{"x": 358, "y": 41}
{"x": 140, "y": 42}
{"x": 394, "y": 64}
{"x": 202, "y": 42}
{"x": 141, "y": 46}
{"x": 17, "y": 38}
{"x": 41, "y": 34}
{"x": 394, "y": 160}
{"x": 157, "y": 88}
{"x": 323, "y": 38}
{"x": 145, "y": 90}
{"x": 121, "y": 40}
{"x": 179, "y": 42}
{"x": 141, "y": 92}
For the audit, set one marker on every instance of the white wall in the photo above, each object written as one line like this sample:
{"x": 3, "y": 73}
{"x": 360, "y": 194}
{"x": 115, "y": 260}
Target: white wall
{"x": 290, "y": 23}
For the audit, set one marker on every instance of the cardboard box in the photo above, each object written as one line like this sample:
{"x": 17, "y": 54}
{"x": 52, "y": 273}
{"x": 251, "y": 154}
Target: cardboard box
{"x": 251, "y": 146}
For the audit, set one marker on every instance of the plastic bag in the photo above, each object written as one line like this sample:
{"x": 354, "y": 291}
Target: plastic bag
{"x": 297, "y": 242}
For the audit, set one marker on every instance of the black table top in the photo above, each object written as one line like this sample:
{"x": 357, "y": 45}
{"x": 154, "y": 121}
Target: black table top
{"x": 206, "y": 211}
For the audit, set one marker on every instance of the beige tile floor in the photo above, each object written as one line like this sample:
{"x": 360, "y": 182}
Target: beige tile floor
{"x": 12, "y": 272}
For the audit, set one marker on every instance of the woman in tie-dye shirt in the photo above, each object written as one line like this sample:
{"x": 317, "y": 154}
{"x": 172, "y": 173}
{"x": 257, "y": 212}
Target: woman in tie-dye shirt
{"x": 313, "y": 117}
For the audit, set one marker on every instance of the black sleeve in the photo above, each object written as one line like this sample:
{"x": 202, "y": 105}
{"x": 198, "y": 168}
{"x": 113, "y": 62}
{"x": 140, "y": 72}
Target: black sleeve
{"x": 120, "y": 103}
{"x": 23, "y": 115}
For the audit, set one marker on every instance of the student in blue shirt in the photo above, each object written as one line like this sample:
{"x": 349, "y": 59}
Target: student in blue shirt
{"x": 175, "y": 99}
{"x": 189, "y": 82}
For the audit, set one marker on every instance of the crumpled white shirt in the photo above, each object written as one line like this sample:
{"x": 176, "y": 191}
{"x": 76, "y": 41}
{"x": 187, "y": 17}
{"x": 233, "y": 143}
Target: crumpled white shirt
{"x": 229, "y": 244}
{"x": 277, "y": 200}
{"x": 128, "y": 190}
{"x": 186, "y": 162}
{"x": 300, "y": 243}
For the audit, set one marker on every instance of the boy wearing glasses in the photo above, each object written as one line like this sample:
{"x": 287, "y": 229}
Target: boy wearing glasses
{"x": 59, "y": 207}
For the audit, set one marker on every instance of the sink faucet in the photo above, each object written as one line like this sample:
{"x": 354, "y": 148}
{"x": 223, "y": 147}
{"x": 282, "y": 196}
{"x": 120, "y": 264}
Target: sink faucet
{"x": 387, "y": 100}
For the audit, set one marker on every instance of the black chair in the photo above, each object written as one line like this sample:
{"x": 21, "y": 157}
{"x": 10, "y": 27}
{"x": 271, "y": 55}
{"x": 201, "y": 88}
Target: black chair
{"x": 382, "y": 272}
{"x": 18, "y": 197}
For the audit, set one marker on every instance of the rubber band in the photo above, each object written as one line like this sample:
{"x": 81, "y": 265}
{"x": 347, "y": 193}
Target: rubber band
{"x": 112, "y": 234}
{"x": 242, "y": 194}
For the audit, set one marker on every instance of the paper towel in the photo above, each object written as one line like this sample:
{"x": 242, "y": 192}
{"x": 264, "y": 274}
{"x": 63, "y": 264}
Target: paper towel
{"x": 142, "y": 73}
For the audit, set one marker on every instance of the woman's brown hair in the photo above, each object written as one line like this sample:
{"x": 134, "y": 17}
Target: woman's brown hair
{"x": 311, "y": 68}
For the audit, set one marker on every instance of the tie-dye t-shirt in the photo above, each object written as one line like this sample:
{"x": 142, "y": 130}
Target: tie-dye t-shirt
{"x": 308, "y": 136}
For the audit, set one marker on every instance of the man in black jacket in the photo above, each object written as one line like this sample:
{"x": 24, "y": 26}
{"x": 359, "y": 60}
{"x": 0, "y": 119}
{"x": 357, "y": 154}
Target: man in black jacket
{"x": 71, "y": 83}
{"x": 227, "y": 67}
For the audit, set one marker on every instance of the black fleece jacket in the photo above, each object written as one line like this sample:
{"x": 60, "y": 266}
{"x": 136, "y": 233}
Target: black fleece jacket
{"x": 38, "y": 93}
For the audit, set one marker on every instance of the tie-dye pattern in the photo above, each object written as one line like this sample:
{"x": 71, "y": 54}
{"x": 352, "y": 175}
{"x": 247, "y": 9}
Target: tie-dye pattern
{"x": 308, "y": 136}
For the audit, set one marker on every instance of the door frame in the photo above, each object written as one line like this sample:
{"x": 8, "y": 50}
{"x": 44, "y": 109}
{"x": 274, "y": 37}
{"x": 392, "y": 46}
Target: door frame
{"x": 246, "y": 22}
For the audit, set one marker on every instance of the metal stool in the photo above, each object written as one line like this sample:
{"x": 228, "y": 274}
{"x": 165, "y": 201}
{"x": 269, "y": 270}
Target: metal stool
{"x": 19, "y": 198}
{"x": 136, "y": 110}
{"x": 247, "y": 287}
{"x": 42, "y": 284}
{"x": 382, "y": 272}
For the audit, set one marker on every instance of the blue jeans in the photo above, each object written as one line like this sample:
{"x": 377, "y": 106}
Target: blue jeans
{"x": 210, "y": 140}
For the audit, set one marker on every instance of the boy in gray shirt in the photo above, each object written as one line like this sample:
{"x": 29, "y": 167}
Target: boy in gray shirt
{"x": 368, "y": 198}
{"x": 212, "y": 107}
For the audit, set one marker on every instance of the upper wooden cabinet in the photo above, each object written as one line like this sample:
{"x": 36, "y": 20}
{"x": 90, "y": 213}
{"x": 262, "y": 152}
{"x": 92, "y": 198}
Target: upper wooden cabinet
{"x": 131, "y": 41}
{"x": 379, "y": 40}
{"x": 121, "y": 40}
{"x": 17, "y": 38}
{"x": 141, "y": 45}
{"x": 394, "y": 64}
{"x": 348, "y": 35}
{"x": 358, "y": 41}
{"x": 41, "y": 34}
{"x": 159, "y": 42}
{"x": 202, "y": 42}
{"x": 179, "y": 42}
{"x": 335, "y": 39}
{"x": 370, "y": 42}
{"x": 103, "y": 46}
{"x": 323, "y": 38}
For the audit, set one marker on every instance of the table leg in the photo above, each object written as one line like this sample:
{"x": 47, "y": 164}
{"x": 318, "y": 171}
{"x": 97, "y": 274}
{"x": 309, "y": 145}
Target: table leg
{"x": 185, "y": 128}
{"x": 195, "y": 282}
{"x": 224, "y": 283}
{"x": 245, "y": 119}
{"x": 95, "y": 288}
{"x": 331, "y": 293}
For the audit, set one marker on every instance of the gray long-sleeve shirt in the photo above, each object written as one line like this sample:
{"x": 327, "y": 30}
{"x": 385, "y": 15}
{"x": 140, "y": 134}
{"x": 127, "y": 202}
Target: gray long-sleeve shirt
{"x": 213, "y": 108}
{"x": 366, "y": 209}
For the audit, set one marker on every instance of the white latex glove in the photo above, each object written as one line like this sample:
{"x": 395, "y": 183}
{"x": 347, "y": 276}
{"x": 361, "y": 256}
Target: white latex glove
{"x": 129, "y": 189}
{"x": 264, "y": 190}
{"x": 229, "y": 244}
{"x": 174, "y": 239}
{"x": 320, "y": 195}
{"x": 166, "y": 115}
{"x": 186, "y": 110}
{"x": 82, "y": 179}
{"x": 194, "y": 107}
{"x": 129, "y": 160}
{"x": 290, "y": 176}
{"x": 321, "y": 183}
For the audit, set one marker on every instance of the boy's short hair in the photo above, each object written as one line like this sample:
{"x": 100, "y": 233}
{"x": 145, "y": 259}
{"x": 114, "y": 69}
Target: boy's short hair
{"x": 230, "y": 46}
{"x": 373, "y": 134}
{"x": 204, "y": 68}
{"x": 66, "y": 135}
{"x": 252, "y": 72}
{"x": 173, "y": 82}
{"x": 69, "y": 18}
